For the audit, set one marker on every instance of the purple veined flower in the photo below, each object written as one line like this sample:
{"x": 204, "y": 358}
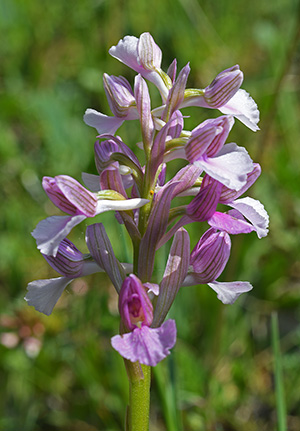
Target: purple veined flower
{"x": 223, "y": 87}
{"x": 205, "y": 148}
{"x": 210, "y": 256}
{"x": 230, "y": 166}
{"x": 71, "y": 197}
{"x": 144, "y": 56}
{"x": 224, "y": 93}
{"x": 208, "y": 260}
{"x": 71, "y": 264}
{"x": 143, "y": 104}
{"x": 234, "y": 222}
{"x": 229, "y": 195}
{"x": 172, "y": 70}
{"x": 211, "y": 192}
{"x": 122, "y": 104}
{"x": 143, "y": 344}
{"x": 208, "y": 138}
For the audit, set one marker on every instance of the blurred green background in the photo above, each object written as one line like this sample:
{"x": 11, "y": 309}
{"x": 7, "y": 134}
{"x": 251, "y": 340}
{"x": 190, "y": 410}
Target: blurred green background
{"x": 59, "y": 372}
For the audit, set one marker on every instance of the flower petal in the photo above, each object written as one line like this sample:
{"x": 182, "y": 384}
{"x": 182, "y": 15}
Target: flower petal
{"x": 230, "y": 167}
{"x": 150, "y": 54}
{"x": 176, "y": 94}
{"x": 204, "y": 205}
{"x": 126, "y": 52}
{"x": 119, "y": 95}
{"x": 57, "y": 196}
{"x": 143, "y": 56}
{"x": 243, "y": 107}
{"x": 120, "y": 205}
{"x": 229, "y": 195}
{"x": 44, "y": 294}
{"x": 102, "y": 123}
{"x": 69, "y": 261}
{"x": 229, "y": 292}
{"x": 185, "y": 179}
{"x": 210, "y": 255}
{"x": 227, "y": 223}
{"x": 82, "y": 199}
{"x": 223, "y": 87}
{"x": 152, "y": 288}
{"x": 255, "y": 212}
{"x": 51, "y": 231}
{"x": 146, "y": 345}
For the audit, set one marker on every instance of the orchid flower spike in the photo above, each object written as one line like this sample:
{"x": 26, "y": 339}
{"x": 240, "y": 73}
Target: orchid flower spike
{"x": 146, "y": 199}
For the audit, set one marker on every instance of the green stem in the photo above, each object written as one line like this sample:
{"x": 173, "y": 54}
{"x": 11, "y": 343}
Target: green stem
{"x": 139, "y": 376}
{"x": 279, "y": 388}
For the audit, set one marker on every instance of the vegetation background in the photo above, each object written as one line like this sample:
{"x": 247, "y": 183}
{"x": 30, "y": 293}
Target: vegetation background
{"x": 60, "y": 372}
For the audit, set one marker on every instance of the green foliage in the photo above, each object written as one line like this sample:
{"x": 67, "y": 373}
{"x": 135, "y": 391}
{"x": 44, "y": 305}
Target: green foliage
{"x": 60, "y": 373}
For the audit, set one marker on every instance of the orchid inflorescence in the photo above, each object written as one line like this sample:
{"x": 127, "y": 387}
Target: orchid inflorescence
{"x": 215, "y": 172}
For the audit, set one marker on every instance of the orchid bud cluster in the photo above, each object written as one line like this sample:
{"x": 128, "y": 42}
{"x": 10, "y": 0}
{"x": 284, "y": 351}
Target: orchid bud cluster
{"x": 215, "y": 172}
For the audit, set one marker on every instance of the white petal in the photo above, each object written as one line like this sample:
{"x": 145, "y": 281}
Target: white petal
{"x": 255, "y": 212}
{"x": 243, "y": 107}
{"x": 120, "y": 205}
{"x": 229, "y": 167}
{"x": 126, "y": 51}
{"x": 229, "y": 292}
{"x": 51, "y": 231}
{"x": 103, "y": 123}
{"x": 44, "y": 294}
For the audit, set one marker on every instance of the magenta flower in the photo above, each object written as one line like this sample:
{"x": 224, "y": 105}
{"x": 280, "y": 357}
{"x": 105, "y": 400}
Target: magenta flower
{"x": 143, "y": 344}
